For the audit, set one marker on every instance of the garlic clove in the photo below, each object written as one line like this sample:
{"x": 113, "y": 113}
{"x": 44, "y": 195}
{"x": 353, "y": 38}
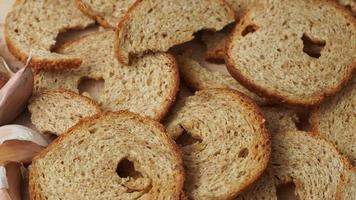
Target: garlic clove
{"x": 15, "y": 94}
{"x": 13, "y": 173}
{"x": 18, "y": 151}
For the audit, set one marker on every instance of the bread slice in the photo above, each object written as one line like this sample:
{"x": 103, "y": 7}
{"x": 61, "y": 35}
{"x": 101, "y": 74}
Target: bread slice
{"x": 149, "y": 87}
{"x": 55, "y": 111}
{"x": 310, "y": 162}
{"x": 224, "y": 142}
{"x": 32, "y": 27}
{"x": 298, "y": 60}
{"x": 199, "y": 74}
{"x": 107, "y": 13}
{"x": 347, "y": 189}
{"x": 155, "y": 25}
{"x": 336, "y": 118}
{"x": 109, "y": 156}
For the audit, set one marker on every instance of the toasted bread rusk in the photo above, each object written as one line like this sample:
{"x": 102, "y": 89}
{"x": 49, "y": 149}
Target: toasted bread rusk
{"x": 109, "y": 156}
{"x": 309, "y": 161}
{"x": 297, "y": 57}
{"x": 55, "y": 111}
{"x": 224, "y": 142}
{"x": 155, "y": 25}
{"x": 32, "y": 26}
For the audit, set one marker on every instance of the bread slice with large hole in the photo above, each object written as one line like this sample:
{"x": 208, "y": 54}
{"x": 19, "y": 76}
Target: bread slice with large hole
{"x": 335, "y": 119}
{"x": 199, "y": 74}
{"x": 107, "y": 13}
{"x": 224, "y": 142}
{"x": 148, "y": 87}
{"x": 155, "y": 25}
{"x": 109, "y": 156}
{"x": 297, "y": 57}
{"x": 347, "y": 189}
{"x": 312, "y": 163}
{"x": 55, "y": 111}
{"x": 32, "y": 26}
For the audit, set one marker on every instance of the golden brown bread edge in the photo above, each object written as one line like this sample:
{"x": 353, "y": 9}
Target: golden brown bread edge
{"x": 43, "y": 64}
{"x": 342, "y": 185}
{"x": 72, "y": 94}
{"x": 89, "y": 120}
{"x": 250, "y": 85}
{"x": 92, "y": 14}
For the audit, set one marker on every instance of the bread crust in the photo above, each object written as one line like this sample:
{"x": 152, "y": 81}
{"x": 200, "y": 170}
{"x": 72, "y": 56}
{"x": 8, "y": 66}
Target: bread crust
{"x": 35, "y": 195}
{"x": 94, "y": 15}
{"x": 342, "y": 184}
{"x": 251, "y": 85}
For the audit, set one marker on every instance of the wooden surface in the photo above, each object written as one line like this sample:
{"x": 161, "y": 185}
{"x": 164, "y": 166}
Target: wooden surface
{"x": 284, "y": 193}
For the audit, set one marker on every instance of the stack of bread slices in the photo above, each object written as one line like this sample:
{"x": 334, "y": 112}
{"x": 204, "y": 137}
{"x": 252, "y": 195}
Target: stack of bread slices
{"x": 272, "y": 98}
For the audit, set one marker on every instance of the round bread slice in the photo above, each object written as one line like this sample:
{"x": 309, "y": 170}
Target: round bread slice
{"x": 335, "y": 119}
{"x": 107, "y": 13}
{"x": 109, "y": 156}
{"x": 156, "y": 25}
{"x": 310, "y": 162}
{"x": 297, "y": 52}
{"x": 199, "y": 74}
{"x": 32, "y": 26}
{"x": 224, "y": 142}
{"x": 347, "y": 189}
{"x": 148, "y": 87}
{"x": 55, "y": 111}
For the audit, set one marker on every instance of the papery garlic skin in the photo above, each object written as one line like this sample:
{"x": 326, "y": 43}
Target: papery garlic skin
{"x": 15, "y": 94}
{"x": 22, "y": 133}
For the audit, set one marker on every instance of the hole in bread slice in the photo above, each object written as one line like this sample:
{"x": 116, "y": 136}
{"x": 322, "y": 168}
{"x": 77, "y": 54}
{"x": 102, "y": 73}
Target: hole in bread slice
{"x": 126, "y": 169}
{"x": 72, "y": 35}
{"x": 249, "y": 29}
{"x": 287, "y": 191}
{"x": 91, "y": 87}
{"x": 186, "y": 139}
{"x": 312, "y": 46}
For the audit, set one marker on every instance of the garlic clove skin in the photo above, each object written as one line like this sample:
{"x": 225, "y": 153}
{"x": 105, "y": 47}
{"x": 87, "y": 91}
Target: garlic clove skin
{"x": 15, "y": 94}
{"x": 13, "y": 172}
{"x": 18, "y": 144}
